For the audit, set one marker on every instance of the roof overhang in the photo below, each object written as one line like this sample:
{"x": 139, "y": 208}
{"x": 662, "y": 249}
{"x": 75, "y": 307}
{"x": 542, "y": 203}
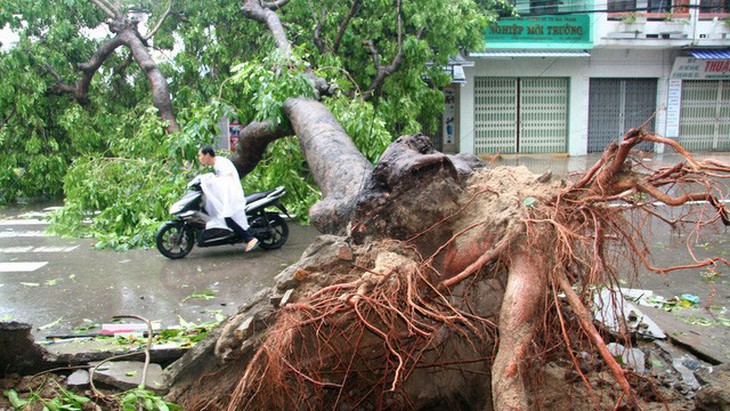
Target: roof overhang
{"x": 497, "y": 54}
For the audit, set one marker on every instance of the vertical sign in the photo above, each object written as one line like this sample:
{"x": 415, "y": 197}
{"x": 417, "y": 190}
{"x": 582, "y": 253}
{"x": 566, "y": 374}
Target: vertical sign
{"x": 674, "y": 105}
{"x": 449, "y": 116}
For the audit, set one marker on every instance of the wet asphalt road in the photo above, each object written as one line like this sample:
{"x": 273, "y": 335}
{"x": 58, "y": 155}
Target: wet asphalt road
{"x": 61, "y": 285}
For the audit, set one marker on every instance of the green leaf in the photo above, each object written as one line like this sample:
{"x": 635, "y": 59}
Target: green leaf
{"x": 49, "y": 325}
{"x": 78, "y": 399}
{"x": 129, "y": 398}
{"x": 529, "y": 202}
{"x": 161, "y": 405}
{"x": 53, "y": 282}
{"x": 14, "y": 399}
{"x": 204, "y": 295}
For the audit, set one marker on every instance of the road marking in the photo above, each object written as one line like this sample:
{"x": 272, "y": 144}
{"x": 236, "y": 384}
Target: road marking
{"x": 55, "y": 249}
{"x": 15, "y": 234}
{"x": 10, "y": 250}
{"x": 31, "y": 249}
{"x": 24, "y": 221}
{"x": 21, "y": 267}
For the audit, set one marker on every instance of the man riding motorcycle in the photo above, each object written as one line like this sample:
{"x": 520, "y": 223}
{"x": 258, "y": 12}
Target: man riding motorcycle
{"x": 224, "y": 199}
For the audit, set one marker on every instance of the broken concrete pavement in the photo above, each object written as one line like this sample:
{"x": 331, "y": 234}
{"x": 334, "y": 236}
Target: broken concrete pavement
{"x": 21, "y": 354}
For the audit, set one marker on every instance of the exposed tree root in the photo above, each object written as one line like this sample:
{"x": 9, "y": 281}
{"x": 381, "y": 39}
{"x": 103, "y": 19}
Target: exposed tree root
{"x": 345, "y": 342}
{"x": 431, "y": 269}
{"x": 474, "y": 289}
{"x": 519, "y": 321}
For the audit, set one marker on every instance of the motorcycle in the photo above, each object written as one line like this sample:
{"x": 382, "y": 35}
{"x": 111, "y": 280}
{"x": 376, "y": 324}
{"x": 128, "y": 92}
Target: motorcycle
{"x": 175, "y": 239}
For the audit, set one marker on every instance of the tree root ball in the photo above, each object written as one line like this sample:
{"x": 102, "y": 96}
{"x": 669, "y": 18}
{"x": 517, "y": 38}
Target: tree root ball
{"x": 454, "y": 287}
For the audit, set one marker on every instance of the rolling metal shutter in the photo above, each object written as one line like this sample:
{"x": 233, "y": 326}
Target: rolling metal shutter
{"x": 495, "y": 115}
{"x": 520, "y": 115}
{"x": 617, "y": 105}
{"x": 604, "y": 113}
{"x": 543, "y": 115}
{"x": 705, "y": 115}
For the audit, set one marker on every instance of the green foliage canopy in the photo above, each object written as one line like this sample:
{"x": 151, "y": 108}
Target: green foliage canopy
{"x": 110, "y": 155}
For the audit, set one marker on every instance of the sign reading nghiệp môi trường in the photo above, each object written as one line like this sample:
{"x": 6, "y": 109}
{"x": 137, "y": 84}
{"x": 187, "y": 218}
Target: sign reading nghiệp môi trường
{"x": 535, "y": 31}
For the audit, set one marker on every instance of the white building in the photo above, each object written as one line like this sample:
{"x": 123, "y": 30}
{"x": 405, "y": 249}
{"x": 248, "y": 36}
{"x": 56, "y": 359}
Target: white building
{"x": 569, "y": 77}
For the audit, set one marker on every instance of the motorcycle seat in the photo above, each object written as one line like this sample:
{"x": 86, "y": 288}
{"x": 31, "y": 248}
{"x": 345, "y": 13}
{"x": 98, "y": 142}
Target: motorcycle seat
{"x": 257, "y": 196}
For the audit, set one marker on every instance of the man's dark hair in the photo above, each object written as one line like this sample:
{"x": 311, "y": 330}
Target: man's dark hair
{"x": 207, "y": 149}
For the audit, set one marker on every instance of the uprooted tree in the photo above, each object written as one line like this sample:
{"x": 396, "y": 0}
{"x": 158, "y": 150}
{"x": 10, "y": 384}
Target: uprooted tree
{"x": 438, "y": 282}
{"x": 448, "y": 285}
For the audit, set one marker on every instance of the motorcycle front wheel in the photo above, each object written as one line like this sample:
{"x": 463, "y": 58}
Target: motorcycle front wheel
{"x": 175, "y": 240}
{"x": 273, "y": 234}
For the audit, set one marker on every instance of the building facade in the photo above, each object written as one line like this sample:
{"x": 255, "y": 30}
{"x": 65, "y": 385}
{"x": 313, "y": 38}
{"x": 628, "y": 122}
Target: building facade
{"x": 570, "y": 77}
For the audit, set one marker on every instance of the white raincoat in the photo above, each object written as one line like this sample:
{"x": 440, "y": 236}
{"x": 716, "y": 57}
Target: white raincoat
{"x": 224, "y": 194}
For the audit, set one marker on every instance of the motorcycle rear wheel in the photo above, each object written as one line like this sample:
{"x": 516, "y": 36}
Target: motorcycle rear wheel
{"x": 175, "y": 240}
{"x": 276, "y": 232}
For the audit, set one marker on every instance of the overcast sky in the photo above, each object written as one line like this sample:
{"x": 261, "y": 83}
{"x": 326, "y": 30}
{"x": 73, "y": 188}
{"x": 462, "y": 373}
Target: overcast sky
{"x": 7, "y": 38}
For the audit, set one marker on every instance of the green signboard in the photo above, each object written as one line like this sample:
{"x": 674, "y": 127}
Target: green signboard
{"x": 563, "y": 32}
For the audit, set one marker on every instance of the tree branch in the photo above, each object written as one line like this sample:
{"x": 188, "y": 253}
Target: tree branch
{"x": 258, "y": 12}
{"x": 385, "y": 71}
{"x": 318, "y": 29}
{"x": 274, "y": 5}
{"x": 60, "y": 87}
{"x": 101, "y": 54}
{"x": 159, "y": 22}
{"x": 252, "y": 144}
{"x": 80, "y": 90}
{"x": 160, "y": 91}
{"x": 344, "y": 24}
{"x": 107, "y": 8}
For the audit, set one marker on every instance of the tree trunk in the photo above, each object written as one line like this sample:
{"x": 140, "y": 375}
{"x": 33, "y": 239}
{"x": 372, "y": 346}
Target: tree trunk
{"x": 337, "y": 166}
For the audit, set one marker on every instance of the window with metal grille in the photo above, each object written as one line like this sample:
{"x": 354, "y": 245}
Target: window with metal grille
{"x": 714, "y": 7}
{"x": 520, "y": 115}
